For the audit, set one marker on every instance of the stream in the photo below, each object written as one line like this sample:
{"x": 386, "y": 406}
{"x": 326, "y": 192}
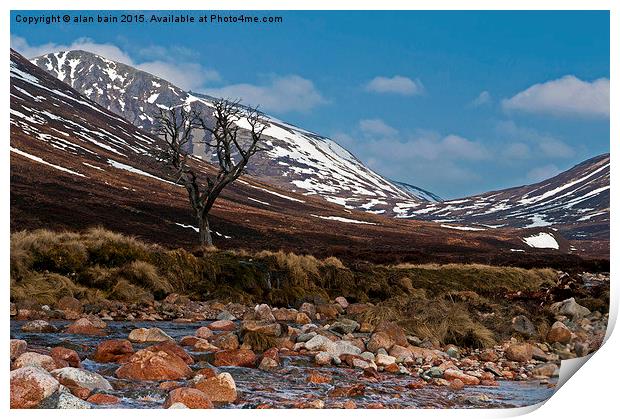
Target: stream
{"x": 287, "y": 385}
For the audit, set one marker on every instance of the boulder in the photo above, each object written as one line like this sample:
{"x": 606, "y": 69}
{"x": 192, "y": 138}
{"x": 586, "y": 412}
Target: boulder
{"x": 570, "y": 308}
{"x": 18, "y": 347}
{"x": 38, "y": 326}
{"x": 268, "y": 364}
{"x": 154, "y": 365}
{"x": 60, "y": 355}
{"x": 452, "y": 351}
{"x": 226, "y": 315}
{"x": 328, "y": 311}
{"x": 318, "y": 342}
{"x": 457, "y": 385}
{"x": 334, "y": 349}
{"x": 285, "y": 314}
{"x": 263, "y": 312}
{"x": 523, "y": 326}
{"x": 222, "y": 325}
{"x": 488, "y": 355}
{"x": 204, "y": 345}
{"x": 63, "y": 399}
{"x": 582, "y": 349}
{"x": 379, "y": 340}
{"x": 204, "y": 332}
{"x": 173, "y": 349}
{"x": 559, "y": 333}
{"x": 323, "y": 358}
{"x": 71, "y": 307}
{"x": 227, "y": 341}
{"x": 342, "y": 302}
{"x": 384, "y": 360}
{"x": 345, "y": 326}
{"x": 191, "y": 398}
{"x": 219, "y": 389}
{"x": 261, "y": 326}
{"x": 394, "y": 331}
{"x": 302, "y": 318}
{"x": 309, "y": 309}
{"x": 519, "y": 352}
{"x": 86, "y": 326}
{"x": 75, "y": 377}
{"x": 30, "y": 386}
{"x": 34, "y": 359}
{"x": 454, "y": 374}
{"x": 546, "y": 370}
{"x": 113, "y": 350}
{"x": 153, "y": 334}
{"x": 235, "y": 358}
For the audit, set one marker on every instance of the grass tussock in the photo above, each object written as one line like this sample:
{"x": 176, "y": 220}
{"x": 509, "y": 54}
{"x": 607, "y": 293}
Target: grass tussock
{"x": 483, "y": 279}
{"x": 446, "y": 322}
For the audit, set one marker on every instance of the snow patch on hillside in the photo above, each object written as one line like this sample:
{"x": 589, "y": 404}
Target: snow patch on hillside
{"x": 542, "y": 241}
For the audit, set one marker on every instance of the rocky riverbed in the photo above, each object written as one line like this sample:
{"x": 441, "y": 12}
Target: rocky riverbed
{"x": 179, "y": 353}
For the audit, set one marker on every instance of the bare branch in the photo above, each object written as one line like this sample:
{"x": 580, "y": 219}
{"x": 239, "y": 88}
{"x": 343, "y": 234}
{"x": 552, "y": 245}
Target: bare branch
{"x": 176, "y": 126}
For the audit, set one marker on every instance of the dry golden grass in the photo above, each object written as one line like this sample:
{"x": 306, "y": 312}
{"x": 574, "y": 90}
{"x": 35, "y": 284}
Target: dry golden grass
{"x": 446, "y": 322}
{"x": 334, "y": 262}
{"x": 46, "y": 288}
{"x": 125, "y": 291}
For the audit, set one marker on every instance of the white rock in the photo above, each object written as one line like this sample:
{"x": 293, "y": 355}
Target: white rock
{"x": 83, "y": 378}
{"x": 385, "y": 360}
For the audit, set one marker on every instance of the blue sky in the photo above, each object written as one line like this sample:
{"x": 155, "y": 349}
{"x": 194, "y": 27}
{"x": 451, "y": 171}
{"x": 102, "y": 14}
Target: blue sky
{"x": 454, "y": 102}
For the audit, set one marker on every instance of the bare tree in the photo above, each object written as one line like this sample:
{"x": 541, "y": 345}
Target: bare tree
{"x": 176, "y": 126}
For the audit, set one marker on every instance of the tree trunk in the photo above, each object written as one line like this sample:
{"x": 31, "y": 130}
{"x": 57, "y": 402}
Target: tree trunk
{"x": 204, "y": 231}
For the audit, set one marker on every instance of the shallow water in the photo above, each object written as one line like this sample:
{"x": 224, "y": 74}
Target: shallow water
{"x": 286, "y": 386}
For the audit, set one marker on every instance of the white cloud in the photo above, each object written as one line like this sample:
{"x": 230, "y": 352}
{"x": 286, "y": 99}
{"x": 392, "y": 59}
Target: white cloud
{"x": 109, "y": 51}
{"x": 543, "y": 172}
{"x": 517, "y": 151}
{"x": 543, "y": 144}
{"x": 484, "y": 98}
{"x": 398, "y": 85}
{"x": 290, "y": 93}
{"x": 566, "y": 96}
{"x": 424, "y": 156}
{"x": 552, "y": 147}
{"x": 376, "y": 127}
{"x": 185, "y": 74}
{"x": 188, "y": 76}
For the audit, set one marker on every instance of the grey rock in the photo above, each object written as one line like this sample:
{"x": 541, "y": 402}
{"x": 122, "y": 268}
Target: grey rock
{"x": 226, "y": 315}
{"x": 344, "y": 326}
{"x": 523, "y": 326}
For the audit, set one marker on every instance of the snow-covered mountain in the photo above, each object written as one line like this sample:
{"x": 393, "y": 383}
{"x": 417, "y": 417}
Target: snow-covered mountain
{"x": 75, "y": 165}
{"x": 576, "y": 201}
{"x": 295, "y": 159}
{"x": 419, "y": 192}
